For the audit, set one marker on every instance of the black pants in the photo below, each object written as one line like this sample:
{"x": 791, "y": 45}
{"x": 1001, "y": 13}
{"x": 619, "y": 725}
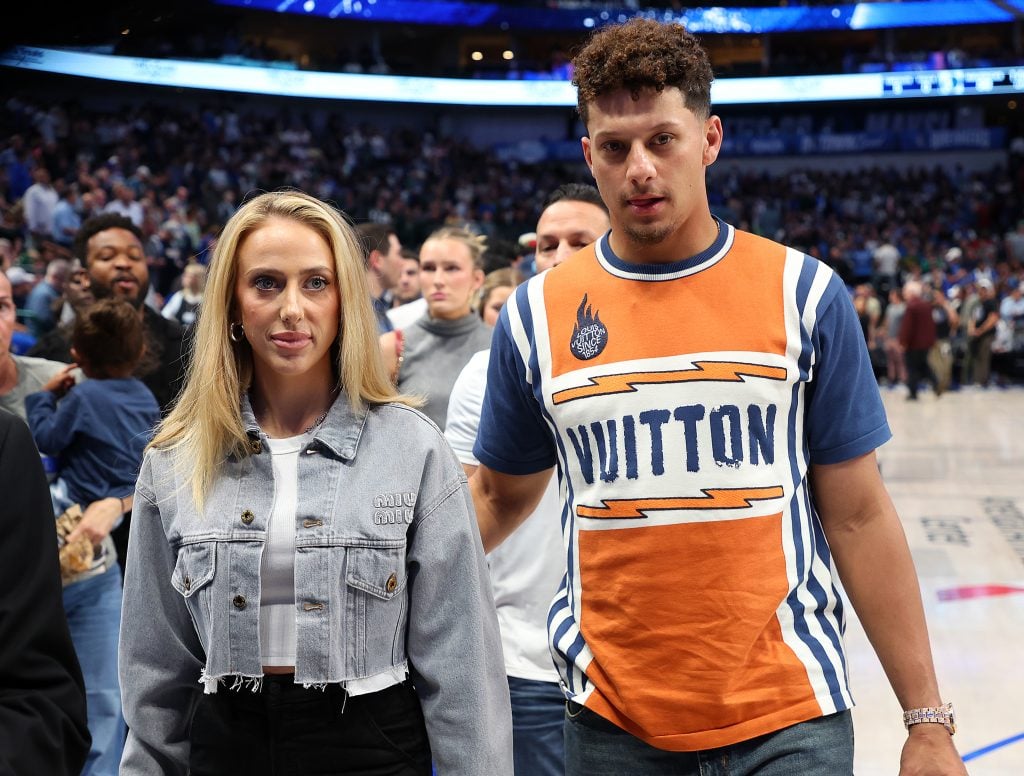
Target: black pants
{"x": 918, "y": 370}
{"x": 120, "y": 537}
{"x": 285, "y": 730}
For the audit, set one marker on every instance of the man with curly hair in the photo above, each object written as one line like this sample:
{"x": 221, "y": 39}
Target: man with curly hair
{"x": 709, "y": 401}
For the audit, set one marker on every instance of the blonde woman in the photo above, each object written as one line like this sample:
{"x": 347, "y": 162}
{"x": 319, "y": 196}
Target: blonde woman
{"x": 426, "y": 357}
{"x": 288, "y": 600}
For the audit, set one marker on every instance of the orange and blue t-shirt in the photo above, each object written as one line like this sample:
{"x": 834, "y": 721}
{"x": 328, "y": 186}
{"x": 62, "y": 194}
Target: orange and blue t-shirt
{"x": 683, "y": 404}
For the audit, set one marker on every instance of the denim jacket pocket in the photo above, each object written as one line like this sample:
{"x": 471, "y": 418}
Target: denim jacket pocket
{"x": 376, "y": 577}
{"x": 193, "y": 573}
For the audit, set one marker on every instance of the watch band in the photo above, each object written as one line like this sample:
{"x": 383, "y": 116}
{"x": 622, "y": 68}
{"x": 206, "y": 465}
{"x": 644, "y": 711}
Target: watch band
{"x": 942, "y": 715}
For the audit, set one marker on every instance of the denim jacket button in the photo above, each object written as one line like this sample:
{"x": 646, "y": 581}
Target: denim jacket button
{"x": 248, "y": 517}
{"x": 391, "y": 584}
{"x": 256, "y": 446}
{"x": 239, "y": 601}
{"x": 187, "y": 583}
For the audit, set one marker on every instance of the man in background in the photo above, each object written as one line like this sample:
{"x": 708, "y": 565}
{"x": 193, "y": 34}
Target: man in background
{"x": 409, "y": 305}
{"x": 110, "y": 247}
{"x": 528, "y": 567}
{"x": 40, "y": 201}
{"x": 408, "y": 287}
{"x": 66, "y": 218}
{"x": 42, "y": 299}
{"x": 56, "y": 344}
{"x": 917, "y": 336}
{"x": 383, "y": 267}
{"x": 183, "y": 306}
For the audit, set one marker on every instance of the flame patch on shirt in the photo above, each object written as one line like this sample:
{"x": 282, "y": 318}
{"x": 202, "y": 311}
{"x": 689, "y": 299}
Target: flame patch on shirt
{"x": 589, "y": 335}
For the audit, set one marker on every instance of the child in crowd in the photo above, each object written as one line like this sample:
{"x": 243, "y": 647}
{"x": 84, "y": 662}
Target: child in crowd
{"x": 98, "y": 431}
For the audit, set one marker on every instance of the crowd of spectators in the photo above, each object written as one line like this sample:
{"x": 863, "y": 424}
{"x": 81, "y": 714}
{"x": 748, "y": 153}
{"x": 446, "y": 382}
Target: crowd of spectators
{"x": 179, "y": 173}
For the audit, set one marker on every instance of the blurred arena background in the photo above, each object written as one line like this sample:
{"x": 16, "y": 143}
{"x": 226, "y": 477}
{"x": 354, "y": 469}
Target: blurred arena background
{"x": 886, "y": 138}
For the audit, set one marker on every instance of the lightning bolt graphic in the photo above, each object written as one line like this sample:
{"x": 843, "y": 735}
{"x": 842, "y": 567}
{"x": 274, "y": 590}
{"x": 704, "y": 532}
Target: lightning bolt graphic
{"x": 703, "y": 371}
{"x": 713, "y": 498}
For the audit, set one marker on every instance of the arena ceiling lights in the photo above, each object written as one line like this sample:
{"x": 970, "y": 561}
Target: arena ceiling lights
{"x": 451, "y": 91}
{"x": 481, "y": 92}
{"x": 711, "y": 19}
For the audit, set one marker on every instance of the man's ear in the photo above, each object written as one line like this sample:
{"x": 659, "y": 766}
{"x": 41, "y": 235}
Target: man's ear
{"x": 585, "y": 141}
{"x": 712, "y": 140}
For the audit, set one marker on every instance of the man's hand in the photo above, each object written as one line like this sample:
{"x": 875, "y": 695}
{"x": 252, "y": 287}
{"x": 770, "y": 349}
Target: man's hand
{"x": 98, "y": 520}
{"x": 929, "y": 751}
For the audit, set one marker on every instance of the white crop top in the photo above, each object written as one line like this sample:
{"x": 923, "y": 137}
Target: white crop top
{"x": 277, "y": 571}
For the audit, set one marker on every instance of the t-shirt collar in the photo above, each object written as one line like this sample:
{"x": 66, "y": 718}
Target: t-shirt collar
{"x": 673, "y": 270}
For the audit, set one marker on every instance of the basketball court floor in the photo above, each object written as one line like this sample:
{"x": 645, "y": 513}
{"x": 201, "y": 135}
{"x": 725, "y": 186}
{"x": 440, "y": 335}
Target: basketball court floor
{"x": 955, "y": 469}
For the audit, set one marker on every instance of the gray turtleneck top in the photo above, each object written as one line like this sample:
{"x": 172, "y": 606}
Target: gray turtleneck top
{"x": 435, "y": 353}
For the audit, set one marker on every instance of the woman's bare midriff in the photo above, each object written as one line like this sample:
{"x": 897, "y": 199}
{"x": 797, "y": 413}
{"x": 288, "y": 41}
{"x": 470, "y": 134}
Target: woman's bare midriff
{"x": 277, "y": 670}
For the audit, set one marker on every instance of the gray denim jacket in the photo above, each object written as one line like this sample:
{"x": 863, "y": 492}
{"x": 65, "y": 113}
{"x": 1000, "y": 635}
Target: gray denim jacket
{"x": 389, "y": 573}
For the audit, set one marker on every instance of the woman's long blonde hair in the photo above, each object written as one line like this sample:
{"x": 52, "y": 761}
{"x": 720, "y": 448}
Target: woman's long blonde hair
{"x": 206, "y": 422}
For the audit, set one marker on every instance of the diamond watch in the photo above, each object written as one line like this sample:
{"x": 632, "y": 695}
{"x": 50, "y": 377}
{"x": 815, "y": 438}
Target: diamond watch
{"x": 943, "y": 715}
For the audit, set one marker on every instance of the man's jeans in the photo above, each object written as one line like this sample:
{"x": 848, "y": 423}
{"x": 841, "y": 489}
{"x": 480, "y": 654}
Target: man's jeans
{"x": 818, "y": 747}
{"x": 93, "y": 609}
{"x": 538, "y": 720}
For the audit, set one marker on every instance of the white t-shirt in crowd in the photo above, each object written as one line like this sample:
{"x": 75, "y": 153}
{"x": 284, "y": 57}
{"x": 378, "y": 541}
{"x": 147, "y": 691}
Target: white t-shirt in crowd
{"x": 527, "y": 568}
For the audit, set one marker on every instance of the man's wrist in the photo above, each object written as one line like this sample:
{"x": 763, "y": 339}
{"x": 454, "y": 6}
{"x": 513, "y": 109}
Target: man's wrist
{"x": 932, "y": 717}
{"x": 928, "y": 729}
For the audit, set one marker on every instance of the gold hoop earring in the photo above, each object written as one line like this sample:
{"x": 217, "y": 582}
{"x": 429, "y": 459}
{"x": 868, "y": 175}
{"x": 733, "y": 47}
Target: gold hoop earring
{"x": 236, "y": 332}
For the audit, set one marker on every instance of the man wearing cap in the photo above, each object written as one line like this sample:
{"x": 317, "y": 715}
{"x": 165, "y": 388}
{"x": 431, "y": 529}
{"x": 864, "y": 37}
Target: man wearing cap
{"x": 21, "y": 285}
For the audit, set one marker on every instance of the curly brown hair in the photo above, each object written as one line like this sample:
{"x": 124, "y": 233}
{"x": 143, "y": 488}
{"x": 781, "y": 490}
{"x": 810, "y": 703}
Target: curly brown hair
{"x": 641, "y": 54}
